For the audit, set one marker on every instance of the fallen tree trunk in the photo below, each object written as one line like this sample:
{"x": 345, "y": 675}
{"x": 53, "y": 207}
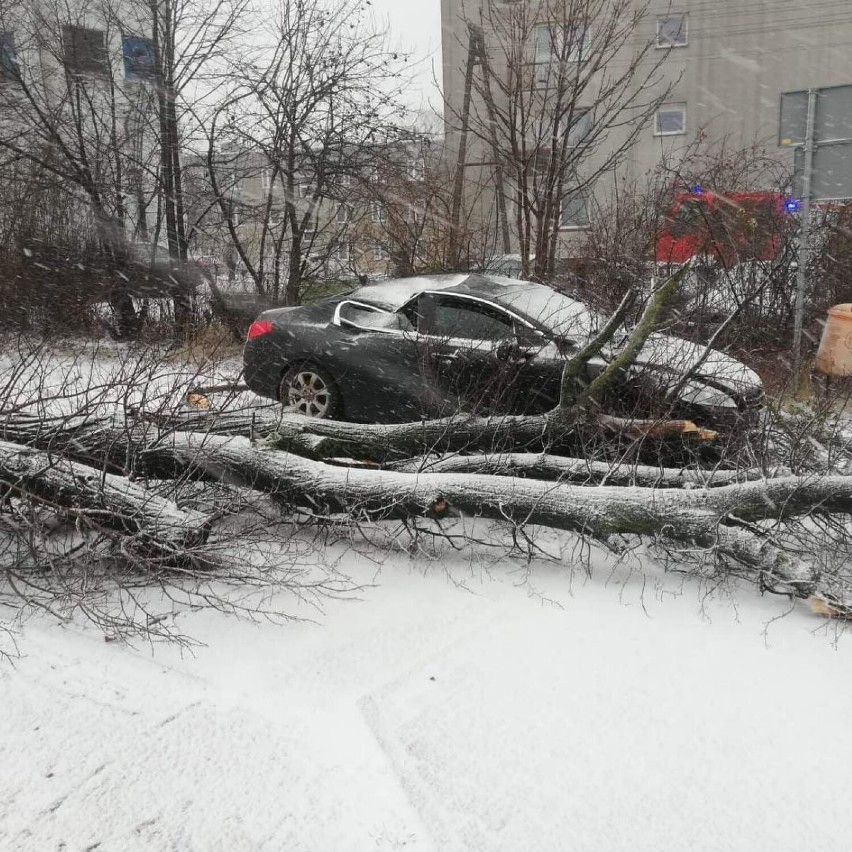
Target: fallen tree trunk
{"x": 720, "y": 520}
{"x": 105, "y": 442}
{"x": 99, "y": 499}
{"x": 583, "y": 471}
{"x": 725, "y": 521}
{"x": 114, "y": 443}
{"x": 552, "y": 432}
{"x": 249, "y": 422}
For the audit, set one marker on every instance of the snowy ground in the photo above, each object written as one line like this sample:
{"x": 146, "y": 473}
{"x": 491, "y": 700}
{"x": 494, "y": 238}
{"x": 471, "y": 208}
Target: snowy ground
{"x": 454, "y": 705}
{"x": 448, "y": 708}
{"x": 104, "y": 378}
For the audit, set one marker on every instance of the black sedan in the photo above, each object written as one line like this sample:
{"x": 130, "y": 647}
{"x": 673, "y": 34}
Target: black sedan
{"x": 430, "y": 346}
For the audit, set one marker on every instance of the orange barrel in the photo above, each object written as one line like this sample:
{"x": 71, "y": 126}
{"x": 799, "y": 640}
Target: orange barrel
{"x": 834, "y": 357}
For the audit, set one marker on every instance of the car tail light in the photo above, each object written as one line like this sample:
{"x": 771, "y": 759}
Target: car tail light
{"x": 258, "y": 328}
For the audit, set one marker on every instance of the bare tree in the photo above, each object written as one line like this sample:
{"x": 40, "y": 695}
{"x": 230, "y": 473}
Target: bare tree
{"x": 186, "y": 40}
{"x": 305, "y": 121}
{"x": 556, "y": 94}
{"x": 412, "y": 201}
{"x": 61, "y": 111}
{"x": 75, "y": 106}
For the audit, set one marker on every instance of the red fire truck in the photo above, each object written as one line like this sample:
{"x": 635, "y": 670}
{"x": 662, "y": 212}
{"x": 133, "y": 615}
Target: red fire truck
{"x": 729, "y": 228}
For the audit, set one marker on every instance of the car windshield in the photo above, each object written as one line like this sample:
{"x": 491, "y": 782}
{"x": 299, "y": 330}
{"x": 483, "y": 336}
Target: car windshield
{"x": 561, "y": 315}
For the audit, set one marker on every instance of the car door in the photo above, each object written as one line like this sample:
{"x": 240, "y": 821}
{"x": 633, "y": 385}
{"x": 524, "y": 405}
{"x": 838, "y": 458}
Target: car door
{"x": 465, "y": 347}
{"x": 538, "y": 362}
{"x": 377, "y": 365}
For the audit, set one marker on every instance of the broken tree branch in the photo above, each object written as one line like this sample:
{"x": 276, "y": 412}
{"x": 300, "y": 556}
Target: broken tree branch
{"x": 100, "y": 499}
{"x": 646, "y": 326}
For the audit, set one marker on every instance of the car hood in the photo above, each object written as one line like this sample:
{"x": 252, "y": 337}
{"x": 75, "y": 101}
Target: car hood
{"x": 680, "y": 356}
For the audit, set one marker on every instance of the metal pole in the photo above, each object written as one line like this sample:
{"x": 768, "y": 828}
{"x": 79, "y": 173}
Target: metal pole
{"x": 804, "y": 237}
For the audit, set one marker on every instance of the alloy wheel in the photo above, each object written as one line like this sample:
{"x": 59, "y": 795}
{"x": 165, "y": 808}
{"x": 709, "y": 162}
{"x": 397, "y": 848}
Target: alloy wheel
{"x": 308, "y": 394}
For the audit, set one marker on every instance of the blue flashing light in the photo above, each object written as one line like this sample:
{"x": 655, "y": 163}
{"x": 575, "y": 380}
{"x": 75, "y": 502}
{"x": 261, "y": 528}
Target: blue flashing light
{"x": 792, "y": 205}
{"x": 696, "y": 189}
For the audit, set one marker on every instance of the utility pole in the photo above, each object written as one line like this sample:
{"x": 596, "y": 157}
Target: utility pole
{"x": 461, "y": 158}
{"x": 477, "y": 55}
{"x": 804, "y": 235}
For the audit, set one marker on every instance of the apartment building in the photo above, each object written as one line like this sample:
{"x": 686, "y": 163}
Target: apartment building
{"x": 355, "y": 212}
{"x": 77, "y": 90}
{"x": 730, "y": 60}
{"x": 716, "y": 68}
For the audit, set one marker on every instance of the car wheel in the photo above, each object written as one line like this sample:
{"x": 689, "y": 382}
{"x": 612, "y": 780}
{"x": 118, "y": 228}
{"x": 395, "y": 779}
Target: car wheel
{"x": 306, "y": 390}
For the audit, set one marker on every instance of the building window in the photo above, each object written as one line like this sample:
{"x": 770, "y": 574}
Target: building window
{"x": 670, "y": 120}
{"x": 8, "y": 56}
{"x": 579, "y": 39}
{"x": 575, "y": 211}
{"x": 84, "y": 51}
{"x": 139, "y": 58}
{"x": 377, "y": 212}
{"x": 305, "y": 189}
{"x": 341, "y": 252}
{"x": 342, "y": 214}
{"x": 554, "y": 43}
{"x": 671, "y": 31}
{"x": 579, "y": 127}
{"x": 265, "y": 181}
{"x": 380, "y": 252}
{"x": 543, "y": 44}
{"x": 345, "y": 181}
{"x": 416, "y": 214}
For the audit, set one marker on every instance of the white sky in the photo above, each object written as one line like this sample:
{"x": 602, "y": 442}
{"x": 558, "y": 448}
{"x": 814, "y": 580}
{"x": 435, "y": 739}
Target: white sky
{"x": 414, "y": 27}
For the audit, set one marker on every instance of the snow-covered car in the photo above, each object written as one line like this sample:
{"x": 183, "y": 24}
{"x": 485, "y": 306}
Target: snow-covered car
{"x": 428, "y": 346}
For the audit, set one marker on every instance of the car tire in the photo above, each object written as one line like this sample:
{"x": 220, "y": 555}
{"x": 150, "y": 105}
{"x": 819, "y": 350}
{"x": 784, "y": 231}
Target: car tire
{"x": 305, "y": 389}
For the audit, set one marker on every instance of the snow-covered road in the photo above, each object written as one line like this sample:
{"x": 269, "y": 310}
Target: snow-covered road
{"x": 557, "y": 714}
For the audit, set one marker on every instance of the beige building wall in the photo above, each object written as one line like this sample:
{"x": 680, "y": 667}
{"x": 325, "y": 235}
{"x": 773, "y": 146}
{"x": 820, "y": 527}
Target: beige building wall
{"x": 738, "y": 56}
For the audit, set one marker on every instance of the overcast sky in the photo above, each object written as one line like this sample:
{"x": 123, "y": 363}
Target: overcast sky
{"x": 415, "y": 27}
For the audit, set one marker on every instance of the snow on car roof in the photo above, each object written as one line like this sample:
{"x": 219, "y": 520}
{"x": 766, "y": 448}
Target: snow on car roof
{"x": 534, "y": 301}
{"x": 395, "y": 293}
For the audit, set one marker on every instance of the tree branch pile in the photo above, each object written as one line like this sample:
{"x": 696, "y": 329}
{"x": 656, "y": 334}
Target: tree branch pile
{"x": 782, "y": 521}
{"x": 739, "y": 519}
